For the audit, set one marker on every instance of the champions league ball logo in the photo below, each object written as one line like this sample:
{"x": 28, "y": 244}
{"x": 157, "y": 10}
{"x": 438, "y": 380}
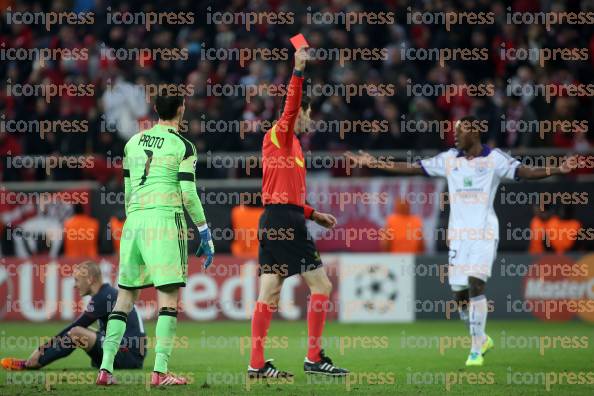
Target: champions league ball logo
{"x": 376, "y": 289}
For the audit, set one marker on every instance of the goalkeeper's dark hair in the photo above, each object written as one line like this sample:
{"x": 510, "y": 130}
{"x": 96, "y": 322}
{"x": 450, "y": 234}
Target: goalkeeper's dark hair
{"x": 167, "y": 105}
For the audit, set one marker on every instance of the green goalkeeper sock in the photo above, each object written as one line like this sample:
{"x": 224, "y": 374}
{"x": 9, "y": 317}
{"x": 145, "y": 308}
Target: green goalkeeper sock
{"x": 165, "y": 332}
{"x": 116, "y": 326}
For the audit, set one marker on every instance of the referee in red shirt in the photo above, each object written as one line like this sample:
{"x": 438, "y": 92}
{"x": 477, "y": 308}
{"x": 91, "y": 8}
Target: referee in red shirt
{"x": 286, "y": 248}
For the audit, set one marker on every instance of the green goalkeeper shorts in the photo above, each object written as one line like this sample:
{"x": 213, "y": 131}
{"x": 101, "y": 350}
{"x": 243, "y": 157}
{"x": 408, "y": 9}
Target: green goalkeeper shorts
{"x": 153, "y": 250}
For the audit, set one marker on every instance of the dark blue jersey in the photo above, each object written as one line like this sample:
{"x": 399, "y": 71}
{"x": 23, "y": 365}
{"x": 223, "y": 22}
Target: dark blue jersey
{"x": 100, "y": 307}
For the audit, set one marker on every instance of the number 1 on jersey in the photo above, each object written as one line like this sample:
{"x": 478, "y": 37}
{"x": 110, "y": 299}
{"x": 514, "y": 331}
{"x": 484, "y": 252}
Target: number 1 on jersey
{"x": 147, "y": 165}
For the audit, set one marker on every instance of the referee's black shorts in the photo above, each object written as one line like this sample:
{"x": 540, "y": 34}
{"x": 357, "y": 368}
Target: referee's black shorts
{"x": 286, "y": 247}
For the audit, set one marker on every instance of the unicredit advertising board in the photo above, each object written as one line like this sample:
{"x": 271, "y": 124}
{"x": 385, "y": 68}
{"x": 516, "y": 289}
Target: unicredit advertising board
{"x": 39, "y": 289}
{"x": 367, "y": 288}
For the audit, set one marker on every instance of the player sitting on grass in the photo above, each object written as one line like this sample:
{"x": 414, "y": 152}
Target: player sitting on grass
{"x": 132, "y": 349}
{"x": 285, "y": 210}
{"x": 473, "y": 172}
{"x": 159, "y": 181}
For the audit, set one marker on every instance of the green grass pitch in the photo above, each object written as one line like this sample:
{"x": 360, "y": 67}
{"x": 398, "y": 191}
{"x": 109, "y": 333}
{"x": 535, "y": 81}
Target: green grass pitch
{"x": 424, "y": 358}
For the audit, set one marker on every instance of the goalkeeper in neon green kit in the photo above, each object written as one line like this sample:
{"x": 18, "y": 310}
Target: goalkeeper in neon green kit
{"x": 159, "y": 180}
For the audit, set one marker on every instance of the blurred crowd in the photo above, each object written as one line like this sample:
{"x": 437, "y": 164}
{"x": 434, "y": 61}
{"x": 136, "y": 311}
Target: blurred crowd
{"x": 118, "y": 108}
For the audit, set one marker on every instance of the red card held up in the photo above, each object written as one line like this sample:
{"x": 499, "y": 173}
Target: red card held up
{"x": 299, "y": 41}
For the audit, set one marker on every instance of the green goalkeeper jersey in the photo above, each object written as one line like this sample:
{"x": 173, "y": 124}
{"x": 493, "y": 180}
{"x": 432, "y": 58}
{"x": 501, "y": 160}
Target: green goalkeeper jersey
{"x": 159, "y": 173}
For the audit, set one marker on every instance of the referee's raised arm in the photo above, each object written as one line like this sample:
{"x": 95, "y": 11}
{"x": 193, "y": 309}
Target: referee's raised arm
{"x": 285, "y": 126}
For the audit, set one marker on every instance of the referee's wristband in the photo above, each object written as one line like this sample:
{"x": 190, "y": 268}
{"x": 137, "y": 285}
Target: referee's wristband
{"x": 312, "y": 213}
{"x": 298, "y": 73}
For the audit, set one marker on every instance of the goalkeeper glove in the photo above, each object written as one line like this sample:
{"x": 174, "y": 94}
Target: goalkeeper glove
{"x": 206, "y": 246}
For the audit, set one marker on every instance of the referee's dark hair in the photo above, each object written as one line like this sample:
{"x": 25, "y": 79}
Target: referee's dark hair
{"x": 167, "y": 105}
{"x": 305, "y": 103}
{"x": 469, "y": 118}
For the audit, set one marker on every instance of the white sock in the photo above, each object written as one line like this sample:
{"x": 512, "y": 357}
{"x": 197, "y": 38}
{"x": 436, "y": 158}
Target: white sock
{"x": 478, "y": 321}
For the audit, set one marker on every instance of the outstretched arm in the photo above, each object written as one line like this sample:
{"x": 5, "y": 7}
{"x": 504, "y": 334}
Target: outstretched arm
{"x": 533, "y": 173}
{"x": 283, "y": 130}
{"x": 364, "y": 159}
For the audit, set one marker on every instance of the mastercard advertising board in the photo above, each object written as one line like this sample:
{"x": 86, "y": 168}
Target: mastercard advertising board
{"x": 560, "y": 288}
